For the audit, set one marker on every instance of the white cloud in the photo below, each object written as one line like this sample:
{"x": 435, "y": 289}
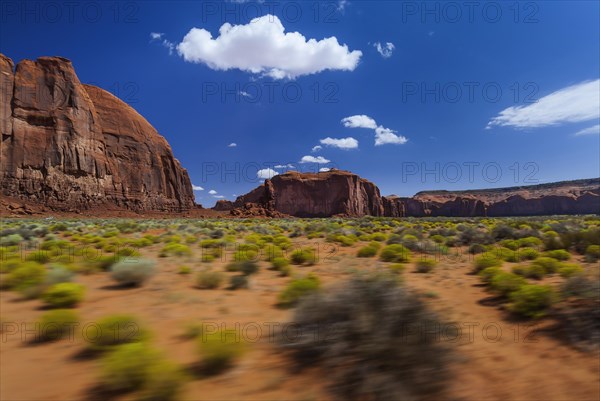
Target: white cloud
{"x": 159, "y": 37}
{"x": 266, "y": 173}
{"x": 212, "y": 192}
{"x": 595, "y": 130}
{"x": 316, "y": 148}
{"x": 576, "y": 103}
{"x": 197, "y": 188}
{"x": 232, "y": 145}
{"x": 263, "y": 47}
{"x": 244, "y": 94}
{"x": 312, "y": 159}
{"x": 385, "y": 50}
{"x": 341, "y": 5}
{"x": 218, "y": 196}
{"x": 280, "y": 166}
{"x": 341, "y": 143}
{"x": 324, "y": 169}
{"x": 359, "y": 121}
{"x": 385, "y": 136}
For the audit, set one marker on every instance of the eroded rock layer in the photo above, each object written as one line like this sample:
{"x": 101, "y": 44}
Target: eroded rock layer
{"x": 71, "y": 146}
{"x": 341, "y": 193}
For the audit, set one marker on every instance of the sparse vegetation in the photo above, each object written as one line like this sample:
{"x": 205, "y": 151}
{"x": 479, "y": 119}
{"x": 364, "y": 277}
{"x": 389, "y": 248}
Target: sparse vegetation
{"x": 132, "y": 271}
{"x": 64, "y": 295}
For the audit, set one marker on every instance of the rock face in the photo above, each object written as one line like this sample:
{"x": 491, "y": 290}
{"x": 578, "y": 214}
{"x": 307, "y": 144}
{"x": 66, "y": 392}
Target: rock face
{"x": 342, "y": 193}
{"x": 71, "y": 146}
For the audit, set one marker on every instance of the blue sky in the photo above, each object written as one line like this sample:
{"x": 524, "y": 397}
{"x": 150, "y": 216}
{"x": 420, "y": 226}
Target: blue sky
{"x": 410, "y": 95}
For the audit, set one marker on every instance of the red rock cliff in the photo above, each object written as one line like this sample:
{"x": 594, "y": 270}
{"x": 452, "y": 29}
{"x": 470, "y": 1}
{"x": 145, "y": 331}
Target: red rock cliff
{"x": 73, "y": 147}
{"x": 343, "y": 193}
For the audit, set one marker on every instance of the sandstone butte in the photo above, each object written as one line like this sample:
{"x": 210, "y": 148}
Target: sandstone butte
{"x": 71, "y": 147}
{"x": 341, "y": 193}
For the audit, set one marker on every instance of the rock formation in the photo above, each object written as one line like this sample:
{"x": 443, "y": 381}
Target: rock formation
{"x": 71, "y": 146}
{"x": 341, "y": 193}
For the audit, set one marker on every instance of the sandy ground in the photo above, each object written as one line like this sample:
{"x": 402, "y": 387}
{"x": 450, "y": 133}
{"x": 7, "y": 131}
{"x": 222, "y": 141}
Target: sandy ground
{"x": 499, "y": 358}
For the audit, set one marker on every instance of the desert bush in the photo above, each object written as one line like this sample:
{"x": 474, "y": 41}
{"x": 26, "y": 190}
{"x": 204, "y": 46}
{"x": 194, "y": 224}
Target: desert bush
{"x": 243, "y": 255}
{"x": 132, "y": 272}
{"x": 439, "y": 239}
{"x": 529, "y": 242}
{"x": 272, "y": 251}
{"x": 488, "y": 273}
{"x": 425, "y": 265}
{"x": 527, "y": 254}
{"x": 580, "y": 286}
{"x": 506, "y": 283}
{"x": 558, "y": 254}
{"x": 219, "y": 350}
{"x": 138, "y": 367}
{"x": 211, "y": 243}
{"x": 367, "y": 251}
{"x": 486, "y": 260}
{"x": 532, "y": 300}
{"x": 175, "y": 249}
{"x": 105, "y": 263}
{"x": 592, "y": 253}
{"x": 303, "y": 256}
{"x": 474, "y": 249}
{"x": 246, "y": 267}
{"x": 11, "y": 240}
{"x": 510, "y": 244}
{"x": 64, "y": 295}
{"x": 298, "y": 288}
{"x": 237, "y": 282}
{"x": 532, "y": 271}
{"x": 184, "y": 270}
{"x": 58, "y": 274}
{"x": 567, "y": 270}
{"x": 394, "y": 253}
{"x": 114, "y": 330}
{"x": 27, "y": 279}
{"x": 279, "y": 263}
{"x": 209, "y": 279}
{"x": 397, "y": 267}
{"x": 57, "y": 324}
{"x": 39, "y": 256}
{"x": 364, "y": 351}
{"x": 550, "y": 265}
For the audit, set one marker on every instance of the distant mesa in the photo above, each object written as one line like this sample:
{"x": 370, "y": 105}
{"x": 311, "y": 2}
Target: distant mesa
{"x": 70, "y": 146}
{"x": 342, "y": 193}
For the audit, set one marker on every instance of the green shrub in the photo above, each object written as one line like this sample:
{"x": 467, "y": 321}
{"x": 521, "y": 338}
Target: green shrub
{"x": 439, "y": 239}
{"x": 272, "y": 251}
{"x": 246, "y": 267}
{"x": 219, "y": 350}
{"x": 529, "y": 242}
{"x": 488, "y": 274}
{"x": 532, "y": 271}
{"x": 243, "y": 255}
{"x": 115, "y": 330}
{"x": 486, "y": 260}
{"x": 11, "y": 240}
{"x": 367, "y": 252}
{"x": 138, "y": 367}
{"x": 175, "y": 249}
{"x": 558, "y": 254}
{"x": 209, "y": 279}
{"x": 425, "y": 265}
{"x": 527, "y": 254}
{"x": 39, "y": 256}
{"x": 57, "y": 324}
{"x": 58, "y": 274}
{"x": 105, "y": 263}
{"x": 303, "y": 256}
{"x": 27, "y": 279}
{"x": 477, "y": 248}
{"x": 298, "y": 288}
{"x": 592, "y": 253}
{"x": 506, "y": 283}
{"x": 132, "y": 272}
{"x": 64, "y": 295}
{"x": 279, "y": 263}
{"x": 238, "y": 281}
{"x": 360, "y": 338}
{"x": 184, "y": 270}
{"x": 569, "y": 269}
{"x": 394, "y": 253}
{"x": 581, "y": 287}
{"x": 532, "y": 300}
{"x": 550, "y": 265}
{"x": 397, "y": 267}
